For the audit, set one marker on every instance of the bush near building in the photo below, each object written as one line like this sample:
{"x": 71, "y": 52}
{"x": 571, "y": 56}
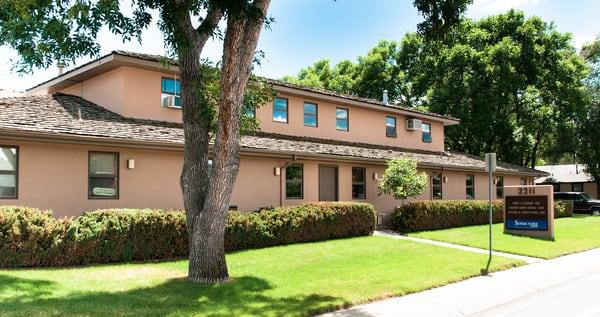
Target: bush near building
{"x": 442, "y": 214}
{"x": 30, "y": 237}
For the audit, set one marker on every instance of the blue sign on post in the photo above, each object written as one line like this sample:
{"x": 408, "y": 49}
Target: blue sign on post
{"x": 518, "y": 224}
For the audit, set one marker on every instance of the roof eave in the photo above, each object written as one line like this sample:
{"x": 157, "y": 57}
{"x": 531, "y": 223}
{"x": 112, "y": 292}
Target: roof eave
{"x": 178, "y": 146}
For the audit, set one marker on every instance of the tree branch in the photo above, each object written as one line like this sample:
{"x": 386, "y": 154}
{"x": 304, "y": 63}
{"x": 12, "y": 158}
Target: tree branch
{"x": 208, "y": 25}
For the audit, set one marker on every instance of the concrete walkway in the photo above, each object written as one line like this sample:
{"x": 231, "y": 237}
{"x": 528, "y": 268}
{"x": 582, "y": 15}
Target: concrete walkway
{"x": 531, "y": 290}
{"x": 395, "y": 235}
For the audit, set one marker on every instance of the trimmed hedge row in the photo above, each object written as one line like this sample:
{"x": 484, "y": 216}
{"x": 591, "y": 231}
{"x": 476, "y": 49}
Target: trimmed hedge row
{"x": 30, "y": 237}
{"x": 442, "y": 214}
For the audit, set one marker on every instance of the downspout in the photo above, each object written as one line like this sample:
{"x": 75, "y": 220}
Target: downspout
{"x": 288, "y": 163}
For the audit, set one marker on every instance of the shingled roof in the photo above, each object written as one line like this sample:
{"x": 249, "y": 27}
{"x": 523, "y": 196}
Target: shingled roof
{"x": 275, "y": 82}
{"x": 71, "y": 116}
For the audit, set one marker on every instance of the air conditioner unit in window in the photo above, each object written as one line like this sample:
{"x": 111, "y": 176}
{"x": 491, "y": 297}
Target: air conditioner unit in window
{"x": 413, "y": 124}
{"x": 170, "y": 101}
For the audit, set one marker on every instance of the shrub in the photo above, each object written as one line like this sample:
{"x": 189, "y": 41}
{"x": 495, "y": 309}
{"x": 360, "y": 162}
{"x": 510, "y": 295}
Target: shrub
{"x": 441, "y": 214}
{"x": 114, "y": 235}
{"x": 563, "y": 208}
{"x": 30, "y": 237}
{"x": 303, "y": 223}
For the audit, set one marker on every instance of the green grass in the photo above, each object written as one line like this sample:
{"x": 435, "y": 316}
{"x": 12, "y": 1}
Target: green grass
{"x": 295, "y": 280}
{"x": 574, "y": 234}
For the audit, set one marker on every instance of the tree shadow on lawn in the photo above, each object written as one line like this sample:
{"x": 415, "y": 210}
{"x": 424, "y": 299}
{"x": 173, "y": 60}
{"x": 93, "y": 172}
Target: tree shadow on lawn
{"x": 244, "y": 296}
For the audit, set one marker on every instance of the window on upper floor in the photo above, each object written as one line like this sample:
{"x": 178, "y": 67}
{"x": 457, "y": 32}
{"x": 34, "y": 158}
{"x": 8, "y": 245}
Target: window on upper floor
{"x": 436, "y": 186}
{"x": 310, "y": 114}
{"x": 426, "y": 127}
{"x": 294, "y": 177}
{"x": 170, "y": 92}
{"x": 341, "y": 119}
{"x": 390, "y": 127}
{"x": 8, "y": 172}
{"x": 470, "y": 187}
{"x": 359, "y": 183}
{"x": 280, "y": 110}
{"x": 103, "y": 178}
{"x": 249, "y": 111}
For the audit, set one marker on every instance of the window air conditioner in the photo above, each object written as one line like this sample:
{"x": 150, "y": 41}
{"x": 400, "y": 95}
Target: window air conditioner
{"x": 413, "y": 124}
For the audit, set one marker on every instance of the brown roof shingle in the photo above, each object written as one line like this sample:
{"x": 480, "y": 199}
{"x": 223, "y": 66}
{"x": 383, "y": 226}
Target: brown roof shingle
{"x": 59, "y": 115}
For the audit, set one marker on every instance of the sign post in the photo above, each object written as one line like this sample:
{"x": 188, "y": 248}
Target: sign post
{"x": 490, "y": 167}
{"x": 529, "y": 211}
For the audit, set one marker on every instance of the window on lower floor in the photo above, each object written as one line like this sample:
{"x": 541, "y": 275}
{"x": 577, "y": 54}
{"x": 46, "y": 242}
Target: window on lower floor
{"x": 577, "y": 187}
{"x": 103, "y": 175}
{"x": 470, "y": 186}
{"x": 294, "y": 176}
{"x": 436, "y": 186}
{"x": 170, "y": 92}
{"x": 8, "y": 171}
{"x": 500, "y": 187}
{"x": 556, "y": 187}
{"x": 359, "y": 183}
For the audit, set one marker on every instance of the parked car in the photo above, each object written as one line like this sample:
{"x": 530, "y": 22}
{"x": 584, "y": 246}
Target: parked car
{"x": 582, "y": 202}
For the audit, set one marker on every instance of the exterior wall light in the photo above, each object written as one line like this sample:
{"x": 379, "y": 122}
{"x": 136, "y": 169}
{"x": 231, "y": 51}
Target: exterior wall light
{"x": 277, "y": 171}
{"x": 130, "y": 164}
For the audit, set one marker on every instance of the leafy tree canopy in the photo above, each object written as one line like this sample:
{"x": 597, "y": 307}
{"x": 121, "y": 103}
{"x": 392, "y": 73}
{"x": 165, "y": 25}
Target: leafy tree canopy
{"x": 515, "y": 83}
{"x": 588, "y": 123}
{"x": 402, "y": 179}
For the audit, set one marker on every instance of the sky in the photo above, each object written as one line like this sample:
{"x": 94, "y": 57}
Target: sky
{"x": 307, "y": 30}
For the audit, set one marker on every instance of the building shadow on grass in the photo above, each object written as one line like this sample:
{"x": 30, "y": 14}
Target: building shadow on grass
{"x": 244, "y": 296}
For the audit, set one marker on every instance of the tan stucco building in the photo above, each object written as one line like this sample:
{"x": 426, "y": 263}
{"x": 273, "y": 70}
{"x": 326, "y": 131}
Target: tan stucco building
{"x": 108, "y": 134}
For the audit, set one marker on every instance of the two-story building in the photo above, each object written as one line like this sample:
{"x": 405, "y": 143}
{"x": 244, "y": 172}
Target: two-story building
{"x": 108, "y": 134}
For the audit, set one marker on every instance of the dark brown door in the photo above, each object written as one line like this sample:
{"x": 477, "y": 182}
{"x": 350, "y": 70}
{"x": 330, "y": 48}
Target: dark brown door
{"x": 328, "y": 176}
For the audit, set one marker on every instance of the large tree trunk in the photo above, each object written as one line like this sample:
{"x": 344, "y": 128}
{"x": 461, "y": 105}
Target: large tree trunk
{"x": 195, "y": 174}
{"x": 207, "y": 250}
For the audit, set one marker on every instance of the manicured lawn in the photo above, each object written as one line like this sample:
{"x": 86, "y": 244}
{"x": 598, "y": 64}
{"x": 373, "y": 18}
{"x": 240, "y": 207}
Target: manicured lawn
{"x": 295, "y": 280}
{"x": 575, "y": 234}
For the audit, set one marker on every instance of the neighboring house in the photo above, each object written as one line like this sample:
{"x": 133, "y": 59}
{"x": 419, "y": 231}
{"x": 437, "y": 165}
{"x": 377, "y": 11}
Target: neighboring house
{"x": 568, "y": 178}
{"x": 108, "y": 134}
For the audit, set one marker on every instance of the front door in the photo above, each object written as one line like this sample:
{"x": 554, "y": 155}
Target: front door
{"x": 328, "y": 176}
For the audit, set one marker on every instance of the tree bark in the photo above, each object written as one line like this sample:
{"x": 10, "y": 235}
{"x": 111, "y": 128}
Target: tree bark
{"x": 195, "y": 174}
{"x": 207, "y": 250}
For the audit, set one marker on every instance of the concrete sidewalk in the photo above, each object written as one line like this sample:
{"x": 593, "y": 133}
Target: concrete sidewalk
{"x": 395, "y": 235}
{"x": 486, "y": 294}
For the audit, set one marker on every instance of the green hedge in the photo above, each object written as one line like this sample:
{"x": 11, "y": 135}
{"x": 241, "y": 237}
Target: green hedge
{"x": 30, "y": 237}
{"x": 441, "y": 214}
{"x": 303, "y": 223}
